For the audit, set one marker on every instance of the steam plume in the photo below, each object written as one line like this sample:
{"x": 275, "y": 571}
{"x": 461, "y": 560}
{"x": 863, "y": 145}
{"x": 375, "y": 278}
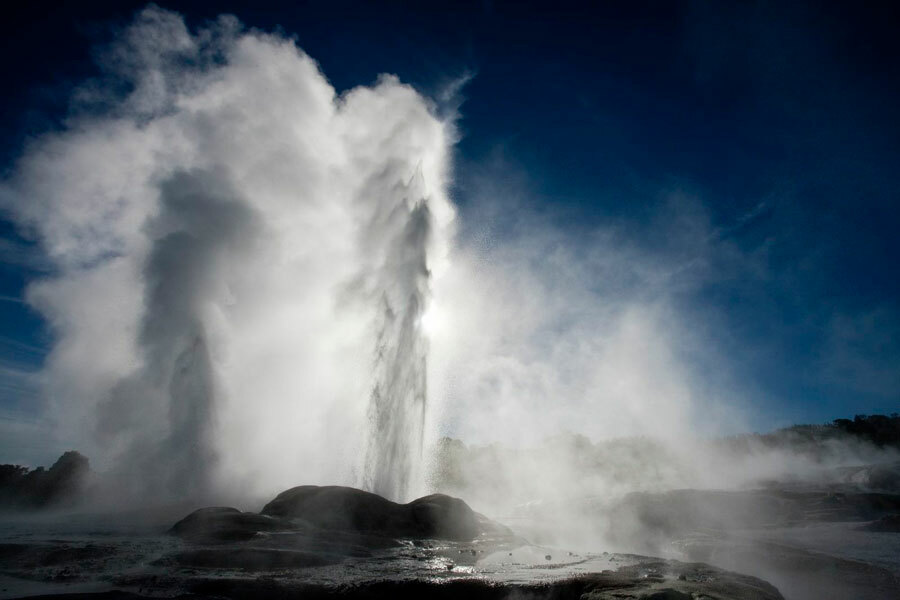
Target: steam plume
{"x": 241, "y": 259}
{"x": 251, "y": 288}
{"x": 398, "y": 402}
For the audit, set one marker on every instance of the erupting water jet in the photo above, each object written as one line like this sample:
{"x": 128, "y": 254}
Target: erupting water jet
{"x": 399, "y": 391}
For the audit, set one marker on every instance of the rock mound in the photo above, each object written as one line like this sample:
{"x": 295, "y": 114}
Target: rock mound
{"x": 225, "y": 524}
{"x": 348, "y": 509}
{"x": 331, "y": 511}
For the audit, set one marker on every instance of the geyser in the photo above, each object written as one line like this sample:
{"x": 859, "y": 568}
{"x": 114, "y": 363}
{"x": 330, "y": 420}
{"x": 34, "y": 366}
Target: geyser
{"x": 240, "y": 259}
{"x": 397, "y": 409}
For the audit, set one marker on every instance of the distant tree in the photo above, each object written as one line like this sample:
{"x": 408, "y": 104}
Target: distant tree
{"x": 880, "y": 430}
{"x": 63, "y": 483}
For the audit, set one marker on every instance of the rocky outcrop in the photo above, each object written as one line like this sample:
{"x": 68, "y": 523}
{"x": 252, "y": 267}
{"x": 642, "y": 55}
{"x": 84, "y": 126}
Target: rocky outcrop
{"x": 124, "y": 568}
{"x": 348, "y": 509}
{"x": 225, "y": 524}
{"x": 331, "y": 542}
{"x": 343, "y": 513}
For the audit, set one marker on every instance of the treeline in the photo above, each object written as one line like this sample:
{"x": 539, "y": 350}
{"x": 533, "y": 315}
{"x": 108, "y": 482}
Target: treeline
{"x": 872, "y": 431}
{"x": 880, "y": 430}
{"x": 60, "y": 485}
{"x": 573, "y": 465}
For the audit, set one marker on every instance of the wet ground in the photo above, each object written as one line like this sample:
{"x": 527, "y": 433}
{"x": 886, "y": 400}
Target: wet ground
{"x": 809, "y": 543}
{"x": 808, "y": 562}
{"x": 72, "y": 554}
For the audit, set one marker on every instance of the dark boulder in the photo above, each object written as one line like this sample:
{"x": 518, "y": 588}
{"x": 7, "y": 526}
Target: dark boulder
{"x": 334, "y": 507}
{"x": 444, "y": 517}
{"x": 348, "y": 509}
{"x": 225, "y": 524}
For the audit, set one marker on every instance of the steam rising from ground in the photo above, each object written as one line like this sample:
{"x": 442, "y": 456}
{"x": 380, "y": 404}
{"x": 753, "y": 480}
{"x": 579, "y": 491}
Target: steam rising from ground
{"x": 241, "y": 260}
{"x": 255, "y": 285}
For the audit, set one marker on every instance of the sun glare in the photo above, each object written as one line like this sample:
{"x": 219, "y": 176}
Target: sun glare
{"x": 433, "y": 320}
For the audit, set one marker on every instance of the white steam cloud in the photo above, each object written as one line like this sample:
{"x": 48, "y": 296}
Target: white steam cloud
{"x": 241, "y": 258}
{"x": 256, "y": 284}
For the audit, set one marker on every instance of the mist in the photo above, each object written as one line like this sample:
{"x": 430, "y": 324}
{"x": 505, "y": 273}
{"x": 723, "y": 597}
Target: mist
{"x": 239, "y": 260}
{"x": 256, "y": 280}
{"x": 239, "y": 252}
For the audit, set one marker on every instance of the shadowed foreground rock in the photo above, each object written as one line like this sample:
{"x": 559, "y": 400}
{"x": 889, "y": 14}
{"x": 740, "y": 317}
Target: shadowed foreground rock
{"x": 226, "y": 524}
{"x": 650, "y": 579}
{"x": 348, "y": 509}
{"x": 337, "y": 542}
{"x": 647, "y": 579}
{"x": 335, "y": 512}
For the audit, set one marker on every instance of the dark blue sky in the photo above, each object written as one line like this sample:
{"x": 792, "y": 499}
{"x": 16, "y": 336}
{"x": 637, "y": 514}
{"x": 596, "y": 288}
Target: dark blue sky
{"x": 781, "y": 121}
